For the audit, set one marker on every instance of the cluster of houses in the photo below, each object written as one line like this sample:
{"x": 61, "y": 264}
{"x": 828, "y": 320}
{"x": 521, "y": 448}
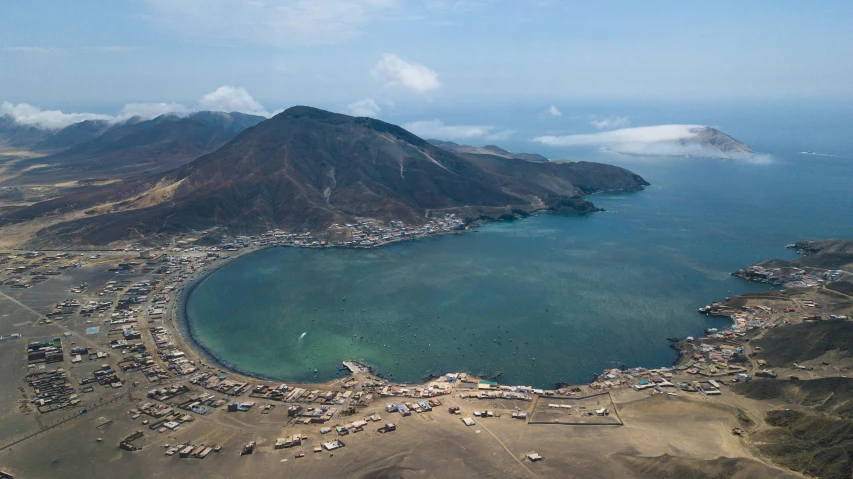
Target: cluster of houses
{"x": 655, "y": 380}
{"x": 284, "y": 393}
{"x": 167, "y": 418}
{"x": 719, "y": 354}
{"x": 64, "y": 309}
{"x": 95, "y": 307}
{"x": 145, "y": 363}
{"x": 192, "y": 451}
{"x": 713, "y": 360}
{"x": 406, "y": 408}
{"x": 312, "y": 415}
{"x": 790, "y": 277}
{"x": 361, "y": 234}
{"x": 168, "y": 351}
{"x": 220, "y": 384}
{"x": 358, "y": 426}
{"x": 106, "y": 376}
{"x": 367, "y": 234}
{"x": 52, "y": 390}
{"x": 33, "y": 264}
{"x": 48, "y": 351}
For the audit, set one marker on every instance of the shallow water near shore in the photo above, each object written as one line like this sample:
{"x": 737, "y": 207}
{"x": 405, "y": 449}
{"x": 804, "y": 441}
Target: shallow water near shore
{"x": 539, "y": 300}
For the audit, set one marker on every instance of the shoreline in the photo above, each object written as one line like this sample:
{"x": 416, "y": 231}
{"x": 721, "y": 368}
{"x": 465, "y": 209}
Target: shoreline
{"x": 182, "y": 325}
{"x": 185, "y": 331}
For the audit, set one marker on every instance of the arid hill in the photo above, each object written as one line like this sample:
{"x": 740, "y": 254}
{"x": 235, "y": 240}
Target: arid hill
{"x": 306, "y": 169}
{"x": 486, "y": 150}
{"x": 135, "y": 147}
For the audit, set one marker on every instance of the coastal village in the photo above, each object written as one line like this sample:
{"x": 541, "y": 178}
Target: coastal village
{"x": 113, "y": 334}
{"x": 362, "y": 234}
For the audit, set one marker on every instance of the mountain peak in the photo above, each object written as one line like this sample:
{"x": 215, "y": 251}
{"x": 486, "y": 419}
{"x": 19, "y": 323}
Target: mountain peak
{"x": 312, "y": 113}
{"x": 486, "y": 150}
{"x": 306, "y": 169}
{"x": 708, "y": 137}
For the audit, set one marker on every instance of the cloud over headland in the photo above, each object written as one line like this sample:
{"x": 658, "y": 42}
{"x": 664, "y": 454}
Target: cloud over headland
{"x": 662, "y": 141}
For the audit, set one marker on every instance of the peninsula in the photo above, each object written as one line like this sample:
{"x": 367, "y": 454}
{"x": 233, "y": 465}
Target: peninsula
{"x": 309, "y": 170}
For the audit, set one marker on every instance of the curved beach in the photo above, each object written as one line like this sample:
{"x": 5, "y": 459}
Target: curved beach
{"x": 398, "y": 311}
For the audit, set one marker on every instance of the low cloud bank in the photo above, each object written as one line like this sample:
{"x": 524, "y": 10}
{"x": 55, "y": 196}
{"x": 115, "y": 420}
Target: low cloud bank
{"x": 225, "y": 98}
{"x": 229, "y": 98}
{"x": 645, "y": 135}
{"x": 663, "y": 141}
{"x": 437, "y": 129}
{"x": 26, "y": 114}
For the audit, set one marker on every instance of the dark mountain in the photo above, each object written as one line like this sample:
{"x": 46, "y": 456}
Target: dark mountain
{"x": 15, "y": 134}
{"x": 133, "y": 147}
{"x": 73, "y": 135}
{"x": 486, "y": 150}
{"x": 306, "y": 169}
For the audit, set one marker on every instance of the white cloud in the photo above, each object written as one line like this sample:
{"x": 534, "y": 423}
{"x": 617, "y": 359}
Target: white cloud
{"x": 151, "y": 110}
{"x": 553, "y": 112}
{"x": 364, "y": 107}
{"x": 625, "y": 136}
{"x": 610, "y": 123}
{"x": 225, "y": 98}
{"x": 662, "y": 140}
{"x": 229, "y": 98}
{"x": 392, "y": 70}
{"x": 437, "y": 129}
{"x": 27, "y": 114}
{"x": 278, "y": 23}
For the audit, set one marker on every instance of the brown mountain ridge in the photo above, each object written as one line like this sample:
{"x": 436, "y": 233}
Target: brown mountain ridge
{"x": 306, "y": 168}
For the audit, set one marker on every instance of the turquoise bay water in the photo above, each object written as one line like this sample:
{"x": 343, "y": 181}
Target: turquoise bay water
{"x": 540, "y": 300}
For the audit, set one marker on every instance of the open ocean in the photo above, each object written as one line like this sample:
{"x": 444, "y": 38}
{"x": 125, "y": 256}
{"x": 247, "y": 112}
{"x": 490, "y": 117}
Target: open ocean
{"x": 545, "y": 299}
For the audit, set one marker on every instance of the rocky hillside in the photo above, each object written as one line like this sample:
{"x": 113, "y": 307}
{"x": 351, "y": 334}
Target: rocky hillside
{"x": 306, "y": 169}
{"x": 486, "y": 150}
{"x": 99, "y": 149}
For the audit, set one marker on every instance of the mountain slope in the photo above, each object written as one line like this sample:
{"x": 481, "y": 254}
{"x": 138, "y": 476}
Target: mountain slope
{"x": 486, "y": 150}
{"x": 15, "y": 134}
{"x": 73, "y": 135}
{"x": 306, "y": 169}
{"x": 133, "y": 147}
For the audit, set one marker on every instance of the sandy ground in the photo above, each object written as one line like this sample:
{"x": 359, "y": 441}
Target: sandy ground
{"x": 433, "y": 444}
{"x": 662, "y": 436}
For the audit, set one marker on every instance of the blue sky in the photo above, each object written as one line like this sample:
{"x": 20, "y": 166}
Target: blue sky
{"x": 395, "y": 58}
